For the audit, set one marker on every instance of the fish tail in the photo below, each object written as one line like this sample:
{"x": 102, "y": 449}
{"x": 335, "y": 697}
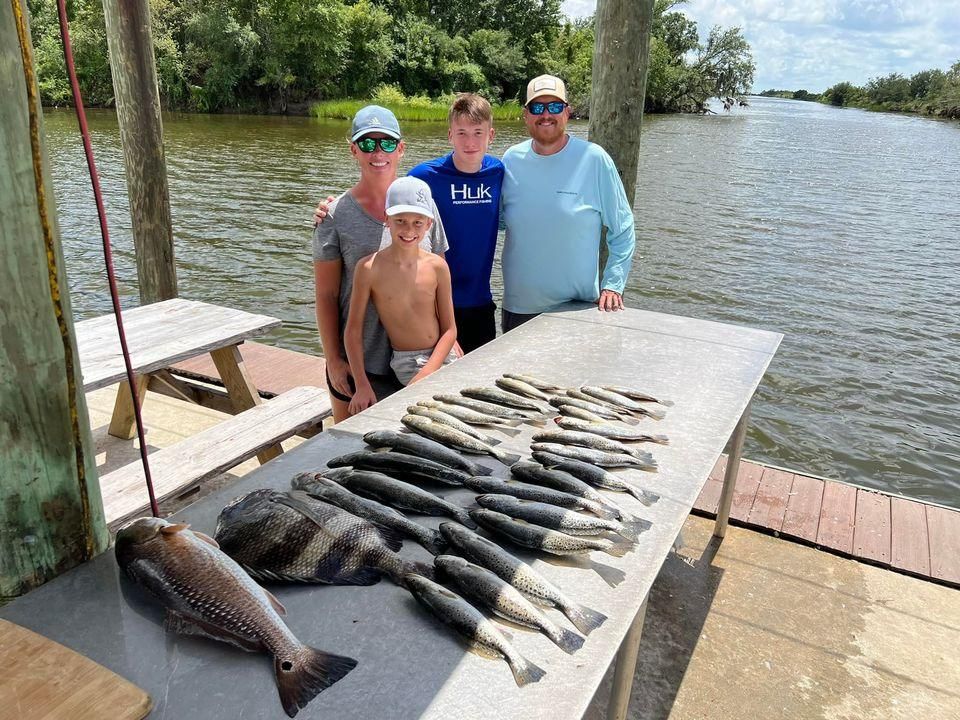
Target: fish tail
{"x": 629, "y": 420}
{"x": 654, "y": 414}
{"x": 397, "y": 571}
{"x": 618, "y": 549}
{"x": 489, "y": 440}
{"x": 659, "y": 439}
{"x": 511, "y": 422}
{"x": 511, "y": 431}
{"x": 434, "y": 542}
{"x": 524, "y": 671}
{"x": 505, "y": 457}
{"x": 463, "y": 517}
{"x": 566, "y": 640}
{"x": 540, "y": 422}
{"x": 584, "y": 619}
{"x": 641, "y": 495}
{"x": 306, "y": 674}
{"x": 631, "y": 529}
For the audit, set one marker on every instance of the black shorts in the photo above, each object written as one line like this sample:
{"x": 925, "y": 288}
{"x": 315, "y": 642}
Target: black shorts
{"x": 476, "y": 326}
{"x": 383, "y": 386}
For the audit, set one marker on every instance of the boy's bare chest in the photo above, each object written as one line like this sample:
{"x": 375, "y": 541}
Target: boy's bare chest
{"x": 404, "y": 289}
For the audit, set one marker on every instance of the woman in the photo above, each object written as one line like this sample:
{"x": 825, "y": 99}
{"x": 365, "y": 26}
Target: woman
{"x": 354, "y": 228}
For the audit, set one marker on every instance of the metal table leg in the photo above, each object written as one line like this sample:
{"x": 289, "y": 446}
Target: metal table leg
{"x": 626, "y": 667}
{"x": 730, "y": 477}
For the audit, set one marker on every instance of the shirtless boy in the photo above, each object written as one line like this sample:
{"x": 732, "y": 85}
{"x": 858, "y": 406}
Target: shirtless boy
{"x": 410, "y": 288}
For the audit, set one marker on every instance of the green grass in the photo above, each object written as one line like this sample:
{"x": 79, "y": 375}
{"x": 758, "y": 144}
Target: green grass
{"x": 407, "y": 109}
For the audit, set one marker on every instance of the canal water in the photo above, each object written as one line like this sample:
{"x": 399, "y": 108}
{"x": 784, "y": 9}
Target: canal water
{"x": 837, "y": 227}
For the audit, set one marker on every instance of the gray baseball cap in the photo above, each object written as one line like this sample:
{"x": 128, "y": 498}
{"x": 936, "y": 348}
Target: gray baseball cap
{"x": 374, "y": 118}
{"x": 409, "y": 194}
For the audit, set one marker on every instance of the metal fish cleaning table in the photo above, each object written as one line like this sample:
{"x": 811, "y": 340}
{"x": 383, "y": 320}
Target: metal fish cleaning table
{"x": 409, "y": 666}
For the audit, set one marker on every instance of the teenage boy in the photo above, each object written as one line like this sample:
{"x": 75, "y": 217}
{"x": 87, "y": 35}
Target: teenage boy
{"x": 410, "y": 289}
{"x": 466, "y": 189}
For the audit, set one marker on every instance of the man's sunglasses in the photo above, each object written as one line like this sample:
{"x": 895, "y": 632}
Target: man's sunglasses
{"x": 554, "y": 108}
{"x": 369, "y": 144}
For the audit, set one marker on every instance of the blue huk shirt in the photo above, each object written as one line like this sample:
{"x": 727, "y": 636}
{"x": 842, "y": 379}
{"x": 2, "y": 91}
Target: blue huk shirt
{"x": 469, "y": 205}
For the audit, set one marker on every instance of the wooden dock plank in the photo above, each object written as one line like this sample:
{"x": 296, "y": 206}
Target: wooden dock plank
{"x": 871, "y": 532}
{"x": 837, "y": 517}
{"x": 909, "y": 544}
{"x": 943, "y": 527}
{"x": 709, "y": 498}
{"x": 273, "y": 370}
{"x": 770, "y": 504}
{"x": 802, "y": 517}
{"x": 748, "y": 481}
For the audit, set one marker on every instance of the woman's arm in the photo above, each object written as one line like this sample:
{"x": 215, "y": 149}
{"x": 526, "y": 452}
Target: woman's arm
{"x": 364, "y": 396}
{"x": 327, "y": 275}
{"x": 448, "y": 327}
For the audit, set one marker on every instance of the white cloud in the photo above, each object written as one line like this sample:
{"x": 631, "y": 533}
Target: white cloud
{"x": 817, "y": 43}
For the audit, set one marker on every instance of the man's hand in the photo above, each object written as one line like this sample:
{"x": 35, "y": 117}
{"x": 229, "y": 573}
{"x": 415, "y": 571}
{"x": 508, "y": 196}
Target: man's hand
{"x": 321, "y": 210}
{"x": 363, "y": 398}
{"x": 339, "y": 373}
{"x": 610, "y": 301}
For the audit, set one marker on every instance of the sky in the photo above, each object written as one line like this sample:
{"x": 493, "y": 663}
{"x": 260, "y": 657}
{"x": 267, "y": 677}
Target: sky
{"x": 814, "y": 44}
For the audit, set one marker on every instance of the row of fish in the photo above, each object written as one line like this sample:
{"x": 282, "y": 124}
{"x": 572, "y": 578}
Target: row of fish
{"x": 342, "y": 526}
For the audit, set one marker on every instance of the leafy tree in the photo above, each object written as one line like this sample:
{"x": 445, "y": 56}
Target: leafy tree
{"x": 893, "y": 88}
{"x": 500, "y": 60}
{"x": 926, "y": 82}
{"x": 369, "y": 48}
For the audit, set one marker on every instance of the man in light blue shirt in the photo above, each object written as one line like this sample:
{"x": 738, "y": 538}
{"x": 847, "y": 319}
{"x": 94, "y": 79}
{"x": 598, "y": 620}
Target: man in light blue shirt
{"x": 559, "y": 192}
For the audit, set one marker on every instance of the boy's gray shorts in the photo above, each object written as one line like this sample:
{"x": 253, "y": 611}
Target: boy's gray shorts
{"x": 407, "y": 363}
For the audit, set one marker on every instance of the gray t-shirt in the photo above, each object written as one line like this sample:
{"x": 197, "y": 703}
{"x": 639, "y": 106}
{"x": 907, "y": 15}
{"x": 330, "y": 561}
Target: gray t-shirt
{"x": 349, "y": 233}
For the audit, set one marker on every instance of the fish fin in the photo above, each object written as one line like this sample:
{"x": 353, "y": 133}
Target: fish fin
{"x": 392, "y": 538}
{"x": 174, "y": 529}
{"x": 360, "y": 576}
{"x": 584, "y": 619}
{"x": 380, "y": 449}
{"x": 207, "y": 539}
{"x": 174, "y": 622}
{"x": 466, "y": 520}
{"x": 611, "y": 576}
{"x": 483, "y": 651}
{"x": 618, "y": 549}
{"x": 308, "y": 673}
{"x": 525, "y": 672}
{"x": 506, "y": 458}
{"x": 567, "y": 640}
{"x": 277, "y": 605}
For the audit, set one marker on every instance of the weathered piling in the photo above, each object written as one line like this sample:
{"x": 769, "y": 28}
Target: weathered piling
{"x": 620, "y": 60}
{"x": 51, "y": 515}
{"x": 134, "y": 71}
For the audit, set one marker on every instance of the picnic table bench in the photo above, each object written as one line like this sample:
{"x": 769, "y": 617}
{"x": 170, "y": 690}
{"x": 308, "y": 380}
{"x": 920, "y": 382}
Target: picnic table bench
{"x": 160, "y": 335}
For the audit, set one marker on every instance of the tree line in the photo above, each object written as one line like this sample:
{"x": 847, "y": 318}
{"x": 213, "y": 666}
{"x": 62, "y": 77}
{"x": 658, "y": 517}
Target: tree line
{"x": 928, "y": 92}
{"x": 283, "y": 55}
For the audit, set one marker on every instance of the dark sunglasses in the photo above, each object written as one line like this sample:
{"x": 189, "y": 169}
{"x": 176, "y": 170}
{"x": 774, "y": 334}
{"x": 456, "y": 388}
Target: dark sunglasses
{"x": 369, "y": 144}
{"x": 554, "y": 108}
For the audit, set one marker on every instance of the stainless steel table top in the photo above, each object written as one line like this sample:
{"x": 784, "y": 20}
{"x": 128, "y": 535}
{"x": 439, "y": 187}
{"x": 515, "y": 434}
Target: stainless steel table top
{"x": 410, "y": 666}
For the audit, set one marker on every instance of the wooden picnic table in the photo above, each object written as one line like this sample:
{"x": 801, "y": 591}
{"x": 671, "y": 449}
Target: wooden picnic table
{"x": 164, "y": 333}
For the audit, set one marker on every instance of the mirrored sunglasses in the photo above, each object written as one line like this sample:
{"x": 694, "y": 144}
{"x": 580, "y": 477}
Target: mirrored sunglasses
{"x": 554, "y": 108}
{"x": 369, "y": 144}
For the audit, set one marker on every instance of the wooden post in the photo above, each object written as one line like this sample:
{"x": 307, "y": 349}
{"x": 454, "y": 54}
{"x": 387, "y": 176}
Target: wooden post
{"x": 134, "y": 71}
{"x": 620, "y": 59}
{"x": 51, "y": 514}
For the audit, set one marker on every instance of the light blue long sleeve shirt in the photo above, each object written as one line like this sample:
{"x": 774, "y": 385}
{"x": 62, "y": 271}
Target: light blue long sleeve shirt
{"x": 554, "y": 207}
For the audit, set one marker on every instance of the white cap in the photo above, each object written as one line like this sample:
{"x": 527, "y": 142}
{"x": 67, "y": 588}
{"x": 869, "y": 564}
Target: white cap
{"x": 409, "y": 194}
